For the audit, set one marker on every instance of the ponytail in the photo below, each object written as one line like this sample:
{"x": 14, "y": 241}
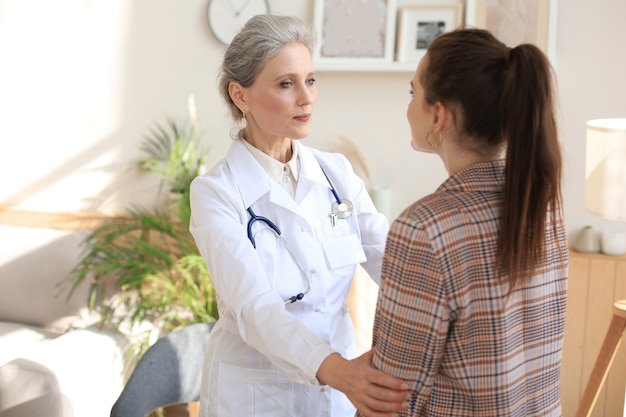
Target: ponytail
{"x": 533, "y": 161}
{"x": 503, "y": 98}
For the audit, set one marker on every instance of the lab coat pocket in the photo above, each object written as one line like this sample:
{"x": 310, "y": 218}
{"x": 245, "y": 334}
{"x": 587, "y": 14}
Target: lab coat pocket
{"x": 344, "y": 250}
{"x": 254, "y": 392}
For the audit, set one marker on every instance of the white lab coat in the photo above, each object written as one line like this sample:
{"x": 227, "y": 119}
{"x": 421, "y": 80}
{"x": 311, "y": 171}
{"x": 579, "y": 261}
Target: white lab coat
{"x": 263, "y": 355}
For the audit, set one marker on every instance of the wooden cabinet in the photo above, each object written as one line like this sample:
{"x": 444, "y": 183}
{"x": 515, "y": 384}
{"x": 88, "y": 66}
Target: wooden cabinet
{"x": 595, "y": 282}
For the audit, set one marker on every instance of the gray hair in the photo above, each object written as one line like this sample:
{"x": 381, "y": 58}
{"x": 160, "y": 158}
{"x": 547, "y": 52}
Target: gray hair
{"x": 260, "y": 39}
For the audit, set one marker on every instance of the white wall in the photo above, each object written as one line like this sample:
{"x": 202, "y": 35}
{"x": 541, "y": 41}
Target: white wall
{"x": 591, "y": 67}
{"x": 81, "y": 81}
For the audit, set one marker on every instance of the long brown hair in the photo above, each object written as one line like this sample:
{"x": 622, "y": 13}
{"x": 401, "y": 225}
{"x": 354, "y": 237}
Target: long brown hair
{"x": 504, "y": 97}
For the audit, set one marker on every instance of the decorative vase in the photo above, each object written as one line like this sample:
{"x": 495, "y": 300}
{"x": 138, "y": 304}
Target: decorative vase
{"x": 587, "y": 241}
{"x": 613, "y": 242}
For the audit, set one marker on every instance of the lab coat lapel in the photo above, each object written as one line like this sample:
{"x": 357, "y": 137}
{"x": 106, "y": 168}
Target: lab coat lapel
{"x": 310, "y": 174}
{"x": 250, "y": 177}
{"x": 253, "y": 181}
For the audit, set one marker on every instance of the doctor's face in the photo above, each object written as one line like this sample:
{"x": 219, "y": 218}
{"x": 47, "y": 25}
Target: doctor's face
{"x": 280, "y": 102}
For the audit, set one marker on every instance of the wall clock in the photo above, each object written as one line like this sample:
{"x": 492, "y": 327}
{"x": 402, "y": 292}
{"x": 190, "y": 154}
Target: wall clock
{"x": 226, "y": 17}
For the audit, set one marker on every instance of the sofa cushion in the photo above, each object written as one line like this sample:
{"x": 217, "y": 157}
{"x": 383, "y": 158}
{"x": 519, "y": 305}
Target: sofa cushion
{"x": 82, "y": 371}
{"x": 18, "y": 339}
{"x": 33, "y": 261}
{"x": 27, "y": 388}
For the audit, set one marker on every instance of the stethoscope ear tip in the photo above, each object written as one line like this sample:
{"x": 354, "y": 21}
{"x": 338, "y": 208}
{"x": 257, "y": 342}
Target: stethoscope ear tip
{"x": 295, "y": 298}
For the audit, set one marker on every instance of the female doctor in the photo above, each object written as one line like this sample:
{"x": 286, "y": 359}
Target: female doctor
{"x": 282, "y": 227}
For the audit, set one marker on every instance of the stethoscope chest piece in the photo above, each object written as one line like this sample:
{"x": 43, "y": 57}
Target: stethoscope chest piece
{"x": 344, "y": 209}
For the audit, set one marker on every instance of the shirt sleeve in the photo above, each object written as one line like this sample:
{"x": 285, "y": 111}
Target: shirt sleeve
{"x": 412, "y": 314}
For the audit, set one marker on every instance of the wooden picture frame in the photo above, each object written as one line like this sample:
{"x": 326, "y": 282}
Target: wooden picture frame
{"x": 419, "y": 24}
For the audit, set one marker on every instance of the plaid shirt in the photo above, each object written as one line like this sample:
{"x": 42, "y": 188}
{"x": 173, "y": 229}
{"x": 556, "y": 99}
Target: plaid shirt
{"x": 443, "y": 320}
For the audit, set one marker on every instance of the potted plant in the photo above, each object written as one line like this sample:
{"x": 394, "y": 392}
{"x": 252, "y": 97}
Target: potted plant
{"x": 145, "y": 266}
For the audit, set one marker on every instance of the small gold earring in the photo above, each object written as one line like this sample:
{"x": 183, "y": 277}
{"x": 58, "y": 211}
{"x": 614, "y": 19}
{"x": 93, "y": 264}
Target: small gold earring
{"x": 433, "y": 145}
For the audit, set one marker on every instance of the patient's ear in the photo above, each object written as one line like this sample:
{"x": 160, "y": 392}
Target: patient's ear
{"x": 443, "y": 117}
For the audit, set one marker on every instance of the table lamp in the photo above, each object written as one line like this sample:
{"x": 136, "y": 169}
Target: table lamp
{"x": 605, "y": 177}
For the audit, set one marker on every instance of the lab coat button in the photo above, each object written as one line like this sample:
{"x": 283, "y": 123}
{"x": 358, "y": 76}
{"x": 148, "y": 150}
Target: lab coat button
{"x": 317, "y": 309}
{"x": 323, "y": 389}
{"x": 313, "y": 271}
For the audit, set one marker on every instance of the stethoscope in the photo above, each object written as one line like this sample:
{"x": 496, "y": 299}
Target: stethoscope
{"x": 341, "y": 208}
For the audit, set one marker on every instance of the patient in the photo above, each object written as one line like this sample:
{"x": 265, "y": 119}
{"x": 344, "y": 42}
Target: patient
{"x": 471, "y": 308}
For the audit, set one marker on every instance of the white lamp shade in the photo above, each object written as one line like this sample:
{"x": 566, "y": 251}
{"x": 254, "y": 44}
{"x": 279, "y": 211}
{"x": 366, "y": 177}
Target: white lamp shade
{"x": 605, "y": 171}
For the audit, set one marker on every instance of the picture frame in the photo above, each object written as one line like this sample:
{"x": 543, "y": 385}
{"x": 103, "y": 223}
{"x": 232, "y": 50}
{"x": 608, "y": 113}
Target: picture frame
{"x": 419, "y": 24}
{"x": 532, "y": 21}
{"x": 354, "y": 32}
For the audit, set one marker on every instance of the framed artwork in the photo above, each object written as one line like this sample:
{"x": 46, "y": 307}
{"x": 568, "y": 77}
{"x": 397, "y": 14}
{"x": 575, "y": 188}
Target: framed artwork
{"x": 515, "y": 22}
{"x": 351, "y": 30}
{"x": 419, "y": 24}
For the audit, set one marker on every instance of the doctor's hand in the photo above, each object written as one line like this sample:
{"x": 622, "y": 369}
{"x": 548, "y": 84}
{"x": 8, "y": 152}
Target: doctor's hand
{"x": 373, "y": 392}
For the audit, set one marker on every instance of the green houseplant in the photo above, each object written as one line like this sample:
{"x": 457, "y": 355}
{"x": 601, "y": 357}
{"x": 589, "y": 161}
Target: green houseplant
{"x": 145, "y": 266}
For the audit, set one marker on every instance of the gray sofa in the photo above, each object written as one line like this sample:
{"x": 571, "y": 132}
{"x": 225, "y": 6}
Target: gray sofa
{"x": 54, "y": 360}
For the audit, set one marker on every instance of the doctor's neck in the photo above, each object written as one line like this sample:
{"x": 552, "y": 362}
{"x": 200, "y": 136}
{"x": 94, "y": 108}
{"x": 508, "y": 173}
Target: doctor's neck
{"x": 278, "y": 148}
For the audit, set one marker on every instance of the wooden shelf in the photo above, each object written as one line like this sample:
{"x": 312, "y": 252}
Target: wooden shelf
{"x": 51, "y": 220}
{"x": 386, "y": 63}
{"x": 597, "y": 255}
{"x": 361, "y": 64}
